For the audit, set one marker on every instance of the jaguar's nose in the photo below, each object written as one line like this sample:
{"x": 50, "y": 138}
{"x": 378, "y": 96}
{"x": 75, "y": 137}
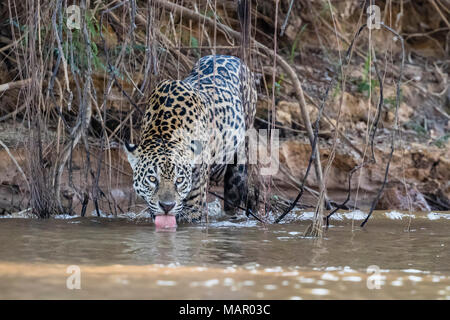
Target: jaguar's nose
{"x": 167, "y": 206}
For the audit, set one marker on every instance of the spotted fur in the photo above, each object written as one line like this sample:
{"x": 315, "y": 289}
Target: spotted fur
{"x": 193, "y": 133}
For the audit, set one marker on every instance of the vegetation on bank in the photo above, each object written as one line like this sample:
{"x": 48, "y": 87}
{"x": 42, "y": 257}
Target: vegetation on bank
{"x": 70, "y": 96}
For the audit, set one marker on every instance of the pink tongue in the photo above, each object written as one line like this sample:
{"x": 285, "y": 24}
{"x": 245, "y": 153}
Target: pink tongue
{"x": 165, "y": 221}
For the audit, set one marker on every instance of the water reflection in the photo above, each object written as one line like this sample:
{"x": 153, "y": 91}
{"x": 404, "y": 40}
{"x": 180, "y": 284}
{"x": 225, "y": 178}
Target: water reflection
{"x": 223, "y": 259}
{"x": 114, "y": 241}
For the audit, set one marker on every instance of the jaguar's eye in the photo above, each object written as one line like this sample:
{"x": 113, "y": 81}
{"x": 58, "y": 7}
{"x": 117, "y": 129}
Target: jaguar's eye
{"x": 180, "y": 180}
{"x": 152, "y": 179}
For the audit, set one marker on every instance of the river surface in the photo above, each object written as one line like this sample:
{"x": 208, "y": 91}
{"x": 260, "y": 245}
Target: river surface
{"x": 395, "y": 256}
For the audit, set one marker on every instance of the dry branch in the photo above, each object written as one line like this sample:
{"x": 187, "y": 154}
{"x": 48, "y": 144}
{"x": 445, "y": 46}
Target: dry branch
{"x": 15, "y": 162}
{"x": 14, "y": 84}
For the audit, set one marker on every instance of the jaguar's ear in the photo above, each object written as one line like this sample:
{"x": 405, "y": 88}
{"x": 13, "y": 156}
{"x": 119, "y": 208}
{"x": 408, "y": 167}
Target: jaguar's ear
{"x": 130, "y": 150}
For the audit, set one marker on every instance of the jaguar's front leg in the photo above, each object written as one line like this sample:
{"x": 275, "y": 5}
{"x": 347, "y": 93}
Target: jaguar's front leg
{"x": 195, "y": 204}
{"x": 235, "y": 187}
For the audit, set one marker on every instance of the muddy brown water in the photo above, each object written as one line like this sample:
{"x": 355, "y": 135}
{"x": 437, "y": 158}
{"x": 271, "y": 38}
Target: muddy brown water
{"x": 126, "y": 258}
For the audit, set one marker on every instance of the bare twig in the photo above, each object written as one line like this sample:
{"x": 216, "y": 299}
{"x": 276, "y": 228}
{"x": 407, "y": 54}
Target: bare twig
{"x": 15, "y": 162}
{"x": 283, "y": 27}
{"x": 311, "y": 158}
{"x": 397, "y": 104}
{"x": 14, "y": 84}
{"x": 440, "y": 13}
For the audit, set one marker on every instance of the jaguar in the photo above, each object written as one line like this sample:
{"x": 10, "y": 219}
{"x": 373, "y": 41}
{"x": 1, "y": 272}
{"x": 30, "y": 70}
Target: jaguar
{"x": 192, "y": 136}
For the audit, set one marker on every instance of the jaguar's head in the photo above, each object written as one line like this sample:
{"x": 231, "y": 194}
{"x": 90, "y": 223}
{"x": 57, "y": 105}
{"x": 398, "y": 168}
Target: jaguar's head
{"x": 162, "y": 178}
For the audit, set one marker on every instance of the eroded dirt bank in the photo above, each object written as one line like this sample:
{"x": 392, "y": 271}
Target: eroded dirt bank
{"x": 423, "y": 171}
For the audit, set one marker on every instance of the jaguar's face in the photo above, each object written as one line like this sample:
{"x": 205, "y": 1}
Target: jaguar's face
{"x": 161, "y": 181}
